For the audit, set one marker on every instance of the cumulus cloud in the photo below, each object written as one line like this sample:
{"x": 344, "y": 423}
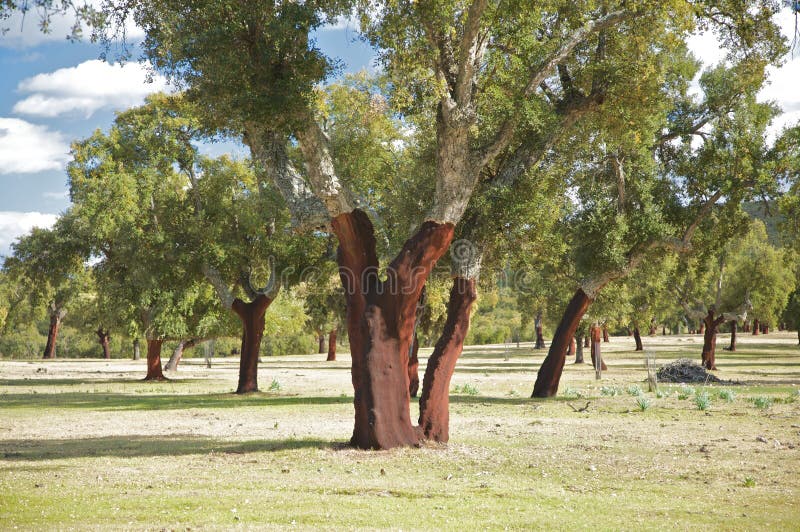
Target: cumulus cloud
{"x": 27, "y": 148}
{"x": 15, "y": 224}
{"x": 86, "y": 88}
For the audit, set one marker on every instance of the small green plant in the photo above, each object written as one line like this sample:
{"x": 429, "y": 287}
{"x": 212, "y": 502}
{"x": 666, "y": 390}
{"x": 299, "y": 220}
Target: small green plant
{"x": 572, "y": 393}
{"x": 661, "y": 393}
{"x": 513, "y": 393}
{"x": 642, "y": 403}
{"x": 609, "y": 391}
{"x": 685, "y": 392}
{"x": 749, "y": 482}
{"x": 466, "y": 389}
{"x": 702, "y": 401}
{"x": 275, "y": 386}
{"x": 728, "y": 396}
{"x": 634, "y": 390}
{"x": 762, "y": 402}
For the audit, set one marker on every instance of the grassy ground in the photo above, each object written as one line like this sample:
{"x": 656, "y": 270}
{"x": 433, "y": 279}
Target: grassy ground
{"x": 83, "y": 444}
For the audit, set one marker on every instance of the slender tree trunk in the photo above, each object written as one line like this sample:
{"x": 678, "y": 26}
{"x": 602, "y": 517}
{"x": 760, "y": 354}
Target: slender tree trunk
{"x": 732, "y": 347}
{"x": 252, "y": 317}
{"x": 708, "y": 357}
{"x": 595, "y": 352}
{"x": 637, "y": 337}
{"x": 331, "y": 346}
{"x": 550, "y": 372}
{"x": 539, "y": 331}
{"x": 137, "y": 352}
{"x": 765, "y": 329}
{"x": 413, "y": 367}
{"x": 177, "y": 353}
{"x": 434, "y": 404}
{"x": 52, "y": 334}
{"x": 663, "y": 330}
{"x": 702, "y": 329}
{"x": 605, "y": 333}
{"x": 154, "y": 361}
{"x": 756, "y": 327}
{"x": 380, "y": 321}
{"x": 103, "y": 337}
{"x": 321, "y": 339}
{"x": 579, "y": 349}
{"x": 572, "y": 348}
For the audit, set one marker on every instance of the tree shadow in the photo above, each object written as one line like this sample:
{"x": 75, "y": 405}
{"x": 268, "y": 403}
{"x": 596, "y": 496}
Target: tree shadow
{"x": 37, "y": 381}
{"x": 143, "y": 446}
{"x": 133, "y": 401}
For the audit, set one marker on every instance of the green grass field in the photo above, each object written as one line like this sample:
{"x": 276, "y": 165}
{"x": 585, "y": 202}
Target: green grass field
{"x": 84, "y": 444}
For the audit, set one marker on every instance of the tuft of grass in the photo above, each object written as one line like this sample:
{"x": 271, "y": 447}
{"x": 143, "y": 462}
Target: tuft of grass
{"x": 702, "y": 401}
{"x": 685, "y": 392}
{"x": 634, "y": 390}
{"x": 749, "y": 482}
{"x": 275, "y": 386}
{"x": 762, "y": 402}
{"x": 726, "y": 395}
{"x": 466, "y": 389}
{"x": 642, "y": 403}
{"x": 572, "y": 393}
{"x": 610, "y": 391}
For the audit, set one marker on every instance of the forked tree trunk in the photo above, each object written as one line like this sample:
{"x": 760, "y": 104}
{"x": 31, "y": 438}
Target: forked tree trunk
{"x": 413, "y": 367}
{"x": 539, "y": 331}
{"x": 321, "y": 340}
{"x": 434, "y": 404}
{"x": 637, "y": 337}
{"x": 732, "y": 347}
{"x": 154, "y": 361}
{"x": 579, "y": 349}
{"x": 331, "y": 346}
{"x": 137, "y": 352}
{"x": 550, "y": 372}
{"x": 595, "y": 352}
{"x": 103, "y": 338}
{"x": 52, "y": 334}
{"x": 380, "y": 321}
{"x": 252, "y": 317}
{"x": 708, "y": 357}
{"x": 605, "y": 333}
{"x": 756, "y": 328}
{"x": 177, "y": 354}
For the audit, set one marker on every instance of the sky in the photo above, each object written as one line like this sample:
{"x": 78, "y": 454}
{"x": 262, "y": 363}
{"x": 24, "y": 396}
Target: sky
{"x": 53, "y": 92}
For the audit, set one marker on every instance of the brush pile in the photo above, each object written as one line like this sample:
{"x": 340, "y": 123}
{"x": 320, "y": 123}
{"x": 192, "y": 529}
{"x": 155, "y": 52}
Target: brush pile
{"x": 685, "y": 370}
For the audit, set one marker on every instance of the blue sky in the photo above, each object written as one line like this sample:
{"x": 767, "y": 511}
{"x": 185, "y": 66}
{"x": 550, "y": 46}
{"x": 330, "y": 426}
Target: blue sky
{"x": 53, "y": 92}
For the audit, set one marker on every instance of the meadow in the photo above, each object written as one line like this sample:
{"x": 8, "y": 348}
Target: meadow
{"x": 84, "y": 444}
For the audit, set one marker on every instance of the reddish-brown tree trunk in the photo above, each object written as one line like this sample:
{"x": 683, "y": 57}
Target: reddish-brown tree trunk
{"x": 595, "y": 352}
{"x": 413, "y": 367}
{"x": 572, "y": 348}
{"x": 380, "y": 321}
{"x": 154, "y": 361}
{"x": 137, "y": 353}
{"x": 605, "y": 333}
{"x": 765, "y": 329}
{"x": 331, "y": 346}
{"x": 52, "y": 335}
{"x": 702, "y": 329}
{"x": 539, "y": 332}
{"x": 746, "y": 326}
{"x": 104, "y": 338}
{"x": 732, "y": 347}
{"x": 434, "y": 404}
{"x": 550, "y": 372}
{"x": 708, "y": 357}
{"x": 637, "y": 337}
{"x": 321, "y": 340}
{"x": 252, "y": 317}
{"x": 756, "y": 328}
{"x": 177, "y": 354}
{"x": 579, "y": 349}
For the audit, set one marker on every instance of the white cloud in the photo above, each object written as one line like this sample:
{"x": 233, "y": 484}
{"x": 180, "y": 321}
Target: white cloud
{"x": 27, "y": 148}
{"x": 15, "y": 224}
{"x": 61, "y": 195}
{"x": 86, "y": 88}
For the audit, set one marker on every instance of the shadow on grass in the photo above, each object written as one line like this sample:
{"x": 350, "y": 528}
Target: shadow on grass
{"x": 139, "y": 446}
{"x": 132, "y": 401}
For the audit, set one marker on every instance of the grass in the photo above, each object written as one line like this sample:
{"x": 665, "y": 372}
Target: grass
{"x": 89, "y": 446}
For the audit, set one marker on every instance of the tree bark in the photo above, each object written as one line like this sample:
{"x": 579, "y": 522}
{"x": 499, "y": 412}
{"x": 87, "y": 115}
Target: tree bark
{"x": 413, "y": 367}
{"x": 103, "y": 337}
{"x": 177, "y": 354}
{"x": 252, "y": 317}
{"x": 579, "y": 349}
{"x": 605, "y": 333}
{"x": 380, "y": 321}
{"x": 550, "y": 372}
{"x": 434, "y": 404}
{"x": 595, "y": 351}
{"x": 321, "y": 340}
{"x": 331, "y": 346}
{"x": 539, "y": 331}
{"x": 637, "y": 337}
{"x": 702, "y": 329}
{"x": 586, "y": 341}
{"x": 765, "y": 329}
{"x": 756, "y": 327}
{"x": 746, "y": 326}
{"x": 572, "y": 348}
{"x": 137, "y": 353}
{"x": 154, "y": 360}
{"x": 732, "y": 347}
{"x": 52, "y": 334}
{"x": 708, "y": 357}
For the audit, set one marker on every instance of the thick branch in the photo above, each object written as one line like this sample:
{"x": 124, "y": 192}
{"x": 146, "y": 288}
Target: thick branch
{"x": 470, "y": 52}
{"x": 220, "y": 287}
